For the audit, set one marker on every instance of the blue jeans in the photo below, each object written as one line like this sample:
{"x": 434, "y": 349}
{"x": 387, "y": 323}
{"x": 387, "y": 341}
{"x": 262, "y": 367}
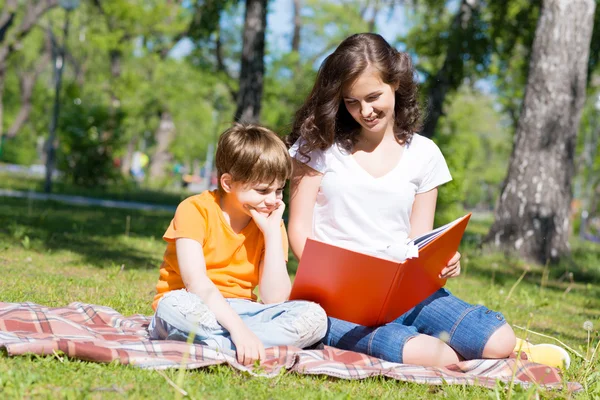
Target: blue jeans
{"x": 464, "y": 327}
{"x": 292, "y": 323}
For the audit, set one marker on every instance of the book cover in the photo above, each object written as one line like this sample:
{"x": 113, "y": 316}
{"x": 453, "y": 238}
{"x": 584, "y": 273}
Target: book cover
{"x": 369, "y": 290}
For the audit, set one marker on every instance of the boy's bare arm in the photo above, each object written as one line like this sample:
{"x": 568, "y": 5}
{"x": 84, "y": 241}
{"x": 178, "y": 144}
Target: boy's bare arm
{"x": 193, "y": 272}
{"x": 274, "y": 285}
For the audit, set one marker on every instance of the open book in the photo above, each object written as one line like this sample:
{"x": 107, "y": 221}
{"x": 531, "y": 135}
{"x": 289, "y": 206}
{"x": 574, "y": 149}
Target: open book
{"x": 372, "y": 291}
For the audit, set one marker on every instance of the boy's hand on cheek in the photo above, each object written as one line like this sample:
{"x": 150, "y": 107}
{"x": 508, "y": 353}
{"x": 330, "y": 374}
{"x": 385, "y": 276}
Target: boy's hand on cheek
{"x": 269, "y": 223}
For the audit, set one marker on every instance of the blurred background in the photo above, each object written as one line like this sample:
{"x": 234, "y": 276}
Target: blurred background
{"x": 125, "y": 99}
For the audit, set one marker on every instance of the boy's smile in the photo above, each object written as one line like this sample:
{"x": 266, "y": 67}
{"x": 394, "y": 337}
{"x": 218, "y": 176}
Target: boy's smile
{"x": 241, "y": 197}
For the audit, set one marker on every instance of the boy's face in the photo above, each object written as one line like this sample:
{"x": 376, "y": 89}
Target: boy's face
{"x": 263, "y": 197}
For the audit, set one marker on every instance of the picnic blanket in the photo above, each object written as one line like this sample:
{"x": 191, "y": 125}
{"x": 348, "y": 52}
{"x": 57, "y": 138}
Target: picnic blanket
{"x": 101, "y": 334}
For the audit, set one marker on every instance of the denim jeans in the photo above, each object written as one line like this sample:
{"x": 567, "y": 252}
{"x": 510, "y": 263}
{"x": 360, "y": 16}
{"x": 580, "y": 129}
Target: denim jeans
{"x": 464, "y": 327}
{"x": 292, "y": 323}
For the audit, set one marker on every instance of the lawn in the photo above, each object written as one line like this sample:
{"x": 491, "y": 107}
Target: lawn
{"x": 54, "y": 254}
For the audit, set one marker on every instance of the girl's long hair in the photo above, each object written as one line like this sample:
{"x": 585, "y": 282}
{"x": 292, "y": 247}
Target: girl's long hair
{"x": 323, "y": 119}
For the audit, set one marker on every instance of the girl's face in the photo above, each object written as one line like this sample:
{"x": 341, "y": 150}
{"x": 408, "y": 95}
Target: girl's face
{"x": 371, "y": 102}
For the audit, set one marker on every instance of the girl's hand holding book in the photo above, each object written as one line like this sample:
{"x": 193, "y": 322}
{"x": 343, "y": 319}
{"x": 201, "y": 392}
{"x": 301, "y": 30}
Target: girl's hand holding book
{"x": 452, "y": 270}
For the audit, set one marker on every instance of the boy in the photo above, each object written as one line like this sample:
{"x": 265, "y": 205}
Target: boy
{"x": 222, "y": 244}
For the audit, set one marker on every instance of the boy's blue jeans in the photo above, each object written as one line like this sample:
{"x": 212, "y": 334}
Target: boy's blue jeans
{"x": 292, "y": 323}
{"x": 465, "y": 327}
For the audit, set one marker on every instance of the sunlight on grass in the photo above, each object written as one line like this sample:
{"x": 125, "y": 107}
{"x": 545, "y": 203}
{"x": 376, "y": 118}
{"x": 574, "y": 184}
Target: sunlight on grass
{"x": 85, "y": 255}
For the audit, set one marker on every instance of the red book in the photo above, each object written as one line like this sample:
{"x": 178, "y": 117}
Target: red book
{"x": 372, "y": 291}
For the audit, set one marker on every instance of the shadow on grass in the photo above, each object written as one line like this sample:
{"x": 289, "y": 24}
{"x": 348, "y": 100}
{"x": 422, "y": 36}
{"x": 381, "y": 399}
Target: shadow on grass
{"x": 103, "y": 236}
{"x": 124, "y": 191}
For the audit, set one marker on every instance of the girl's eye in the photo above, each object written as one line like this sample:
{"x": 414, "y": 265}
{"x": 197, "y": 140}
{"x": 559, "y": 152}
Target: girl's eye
{"x": 350, "y": 101}
{"x": 373, "y": 98}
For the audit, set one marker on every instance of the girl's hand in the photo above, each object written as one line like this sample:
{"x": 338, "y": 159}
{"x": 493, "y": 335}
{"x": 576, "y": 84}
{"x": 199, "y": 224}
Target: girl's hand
{"x": 269, "y": 224}
{"x": 452, "y": 270}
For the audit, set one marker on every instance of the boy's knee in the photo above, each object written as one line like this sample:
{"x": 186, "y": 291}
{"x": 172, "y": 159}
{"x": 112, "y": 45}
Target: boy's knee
{"x": 189, "y": 306}
{"x": 310, "y": 323}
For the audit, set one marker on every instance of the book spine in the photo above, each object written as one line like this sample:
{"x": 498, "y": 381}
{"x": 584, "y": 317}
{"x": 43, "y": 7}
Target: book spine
{"x": 385, "y": 307}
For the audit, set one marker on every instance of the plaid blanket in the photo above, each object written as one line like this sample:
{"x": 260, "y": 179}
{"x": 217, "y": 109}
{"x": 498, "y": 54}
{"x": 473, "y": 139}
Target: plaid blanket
{"x": 97, "y": 333}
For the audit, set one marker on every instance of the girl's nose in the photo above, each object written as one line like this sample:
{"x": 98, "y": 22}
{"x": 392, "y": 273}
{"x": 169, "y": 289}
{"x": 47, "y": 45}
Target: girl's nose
{"x": 366, "y": 110}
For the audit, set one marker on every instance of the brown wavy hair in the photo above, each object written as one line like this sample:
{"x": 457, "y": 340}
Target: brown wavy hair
{"x": 323, "y": 118}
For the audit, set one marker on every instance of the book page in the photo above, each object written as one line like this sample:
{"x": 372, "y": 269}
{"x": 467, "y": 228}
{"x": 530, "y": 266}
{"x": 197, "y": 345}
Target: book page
{"x": 427, "y": 237}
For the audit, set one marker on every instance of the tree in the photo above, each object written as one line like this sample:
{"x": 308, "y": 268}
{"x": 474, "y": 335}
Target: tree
{"x": 16, "y": 21}
{"x": 532, "y": 215}
{"x": 252, "y": 63}
{"x": 449, "y": 47}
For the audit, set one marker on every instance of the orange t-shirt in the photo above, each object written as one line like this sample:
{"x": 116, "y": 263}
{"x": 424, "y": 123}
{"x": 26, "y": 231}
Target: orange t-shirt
{"x": 232, "y": 259}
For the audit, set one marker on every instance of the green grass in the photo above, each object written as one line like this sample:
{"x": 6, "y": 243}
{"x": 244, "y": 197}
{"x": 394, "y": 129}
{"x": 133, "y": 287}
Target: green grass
{"x": 54, "y": 254}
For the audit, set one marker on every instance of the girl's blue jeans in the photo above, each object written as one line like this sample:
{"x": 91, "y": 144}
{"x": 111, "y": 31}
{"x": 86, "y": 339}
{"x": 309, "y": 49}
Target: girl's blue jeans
{"x": 291, "y": 323}
{"x": 464, "y": 327}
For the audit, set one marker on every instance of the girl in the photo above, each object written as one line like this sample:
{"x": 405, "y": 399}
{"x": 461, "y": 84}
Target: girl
{"x": 363, "y": 179}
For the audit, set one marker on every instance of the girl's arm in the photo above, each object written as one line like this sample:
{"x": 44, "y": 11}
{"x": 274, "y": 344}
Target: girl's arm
{"x": 192, "y": 266}
{"x": 423, "y": 212}
{"x": 421, "y": 221}
{"x": 304, "y": 188}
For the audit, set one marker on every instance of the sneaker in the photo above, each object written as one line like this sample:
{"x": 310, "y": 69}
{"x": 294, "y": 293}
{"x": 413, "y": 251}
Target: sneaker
{"x": 545, "y": 353}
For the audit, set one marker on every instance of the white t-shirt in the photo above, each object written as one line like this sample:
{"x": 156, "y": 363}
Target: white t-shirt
{"x": 354, "y": 210}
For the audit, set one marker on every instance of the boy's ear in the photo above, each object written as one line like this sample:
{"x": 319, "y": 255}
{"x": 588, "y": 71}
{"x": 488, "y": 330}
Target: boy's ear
{"x": 226, "y": 181}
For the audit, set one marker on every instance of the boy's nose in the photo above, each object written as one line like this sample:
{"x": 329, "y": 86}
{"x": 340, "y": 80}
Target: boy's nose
{"x": 271, "y": 198}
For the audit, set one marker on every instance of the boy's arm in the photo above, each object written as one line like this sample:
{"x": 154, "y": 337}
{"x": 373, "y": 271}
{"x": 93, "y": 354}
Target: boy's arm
{"x": 192, "y": 266}
{"x": 274, "y": 285}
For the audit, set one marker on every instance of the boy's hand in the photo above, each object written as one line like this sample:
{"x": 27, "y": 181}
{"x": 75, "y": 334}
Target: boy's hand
{"x": 269, "y": 223}
{"x": 248, "y": 346}
{"x": 452, "y": 270}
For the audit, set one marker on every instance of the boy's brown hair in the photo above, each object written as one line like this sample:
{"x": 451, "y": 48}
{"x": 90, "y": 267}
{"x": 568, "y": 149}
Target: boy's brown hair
{"x": 252, "y": 154}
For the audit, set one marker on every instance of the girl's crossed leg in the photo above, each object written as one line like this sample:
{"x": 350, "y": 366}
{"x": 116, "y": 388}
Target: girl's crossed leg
{"x": 439, "y": 331}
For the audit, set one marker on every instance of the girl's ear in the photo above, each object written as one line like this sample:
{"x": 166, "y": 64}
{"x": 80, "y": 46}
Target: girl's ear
{"x": 226, "y": 181}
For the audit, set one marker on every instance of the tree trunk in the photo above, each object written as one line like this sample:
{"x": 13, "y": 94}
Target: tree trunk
{"x": 450, "y": 76}
{"x": 164, "y": 136}
{"x": 2, "y": 80}
{"x": 253, "y": 67}
{"x": 297, "y": 26}
{"x": 33, "y": 12}
{"x": 27, "y": 82}
{"x": 126, "y": 161}
{"x": 532, "y": 214}
{"x": 373, "y": 20}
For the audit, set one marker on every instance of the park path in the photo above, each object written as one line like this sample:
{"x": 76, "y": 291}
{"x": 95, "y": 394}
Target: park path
{"x": 86, "y": 201}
